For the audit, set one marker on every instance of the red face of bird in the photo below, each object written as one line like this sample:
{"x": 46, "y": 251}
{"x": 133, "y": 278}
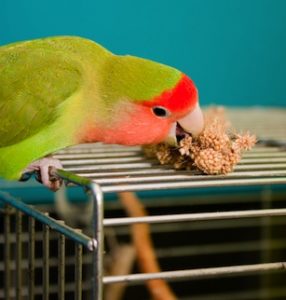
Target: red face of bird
{"x": 149, "y": 122}
{"x": 180, "y": 108}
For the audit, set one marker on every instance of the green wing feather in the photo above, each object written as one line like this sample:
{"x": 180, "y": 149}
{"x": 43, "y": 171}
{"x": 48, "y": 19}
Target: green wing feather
{"x": 34, "y": 83}
{"x": 37, "y": 84}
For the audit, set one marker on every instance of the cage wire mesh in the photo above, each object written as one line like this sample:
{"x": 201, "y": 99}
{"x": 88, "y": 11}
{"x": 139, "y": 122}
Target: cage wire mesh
{"x": 216, "y": 237}
{"x": 42, "y": 257}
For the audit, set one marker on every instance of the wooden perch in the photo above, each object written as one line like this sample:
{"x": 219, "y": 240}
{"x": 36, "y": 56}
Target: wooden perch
{"x": 147, "y": 261}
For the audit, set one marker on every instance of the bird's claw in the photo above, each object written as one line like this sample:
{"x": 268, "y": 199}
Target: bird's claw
{"x": 45, "y": 172}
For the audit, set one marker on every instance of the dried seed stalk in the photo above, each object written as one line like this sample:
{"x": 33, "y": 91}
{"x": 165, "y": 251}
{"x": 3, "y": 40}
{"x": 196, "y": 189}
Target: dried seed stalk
{"x": 215, "y": 151}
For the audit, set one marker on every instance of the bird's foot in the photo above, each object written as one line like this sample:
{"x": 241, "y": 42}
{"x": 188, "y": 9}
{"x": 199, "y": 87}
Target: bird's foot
{"x": 45, "y": 172}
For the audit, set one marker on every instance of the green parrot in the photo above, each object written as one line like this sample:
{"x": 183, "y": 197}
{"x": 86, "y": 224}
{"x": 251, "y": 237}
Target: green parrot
{"x": 61, "y": 91}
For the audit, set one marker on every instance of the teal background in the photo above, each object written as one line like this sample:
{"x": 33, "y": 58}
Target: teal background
{"x": 235, "y": 50}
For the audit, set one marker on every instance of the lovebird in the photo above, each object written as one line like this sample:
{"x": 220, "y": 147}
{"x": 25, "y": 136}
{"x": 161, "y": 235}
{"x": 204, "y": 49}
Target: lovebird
{"x": 61, "y": 91}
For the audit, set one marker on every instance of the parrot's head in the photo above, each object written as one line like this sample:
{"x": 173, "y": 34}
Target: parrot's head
{"x": 144, "y": 102}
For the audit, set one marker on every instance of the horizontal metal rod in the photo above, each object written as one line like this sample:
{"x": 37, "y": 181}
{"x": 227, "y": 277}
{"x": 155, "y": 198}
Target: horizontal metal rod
{"x": 105, "y": 146}
{"x": 110, "y": 167}
{"x": 52, "y": 223}
{"x": 173, "y": 227}
{"x": 187, "y": 227}
{"x": 271, "y": 166}
{"x": 264, "y": 154}
{"x": 274, "y": 139}
{"x": 197, "y": 273}
{"x": 99, "y": 155}
{"x": 95, "y": 161}
{"x": 267, "y": 160}
{"x": 95, "y": 148}
{"x": 115, "y": 180}
{"x": 259, "y": 149}
{"x": 196, "y": 217}
{"x": 273, "y": 142}
{"x": 193, "y": 184}
{"x": 189, "y": 176}
{"x": 127, "y": 173}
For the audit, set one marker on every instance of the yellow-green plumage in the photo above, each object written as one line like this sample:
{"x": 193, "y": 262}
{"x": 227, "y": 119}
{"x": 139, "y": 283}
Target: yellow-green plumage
{"x": 42, "y": 82}
{"x": 49, "y": 88}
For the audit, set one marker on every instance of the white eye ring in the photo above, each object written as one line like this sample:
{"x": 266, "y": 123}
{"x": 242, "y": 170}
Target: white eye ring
{"x": 161, "y": 112}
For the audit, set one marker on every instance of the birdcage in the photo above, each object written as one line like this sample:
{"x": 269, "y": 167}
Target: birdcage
{"x": 216, "y": 237}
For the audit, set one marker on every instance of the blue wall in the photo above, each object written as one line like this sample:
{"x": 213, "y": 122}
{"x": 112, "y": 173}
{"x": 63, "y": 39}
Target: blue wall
{"x": 235, "y": 50}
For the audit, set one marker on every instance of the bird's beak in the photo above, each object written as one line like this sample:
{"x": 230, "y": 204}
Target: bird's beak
{"x": 192, "y": 123}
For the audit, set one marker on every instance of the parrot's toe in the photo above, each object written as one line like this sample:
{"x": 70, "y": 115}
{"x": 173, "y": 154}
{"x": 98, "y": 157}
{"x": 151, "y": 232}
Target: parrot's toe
{"x": 45, "y": 172}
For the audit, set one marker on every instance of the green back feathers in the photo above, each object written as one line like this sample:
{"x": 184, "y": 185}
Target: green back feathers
{"x": 43, "y": 89}
{"x": 31, "y": 92}
{"x": 36, "y": 78}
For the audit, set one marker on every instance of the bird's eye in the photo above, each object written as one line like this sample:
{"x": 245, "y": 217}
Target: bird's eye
{"x": 160, "y": 111}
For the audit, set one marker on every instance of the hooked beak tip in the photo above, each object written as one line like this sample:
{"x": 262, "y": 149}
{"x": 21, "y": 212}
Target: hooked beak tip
{"x": 193, "y": 122}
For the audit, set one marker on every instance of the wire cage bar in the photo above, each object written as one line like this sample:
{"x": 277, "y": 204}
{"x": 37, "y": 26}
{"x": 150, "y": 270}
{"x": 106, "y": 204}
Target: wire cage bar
{"x": 101, "y": 170}
{"x": 99, "y": 279}
{"x": 17, "y": 291}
